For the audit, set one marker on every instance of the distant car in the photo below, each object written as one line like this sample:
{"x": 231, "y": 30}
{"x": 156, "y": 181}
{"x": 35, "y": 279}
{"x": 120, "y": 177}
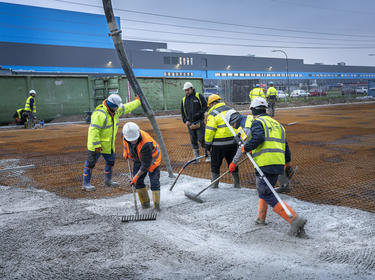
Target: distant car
{"x": 281, "y": 94}
{"x": 361, "y": 90}
{"x": 299, "y": 93}
{"x": 316, "y": 92}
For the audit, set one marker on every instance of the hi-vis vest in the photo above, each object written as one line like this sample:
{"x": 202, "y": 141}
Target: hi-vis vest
{"x": 146, "y": 138}
{"x": 103, "y": 128}
{"x": 217, "y": 133}
{"x": 256, "y": 92}
{"x": 183, "y": 101}
{"x": 272, "y": 150}
{"x": 271, "y": 91}
{"x": 27, "y": 105}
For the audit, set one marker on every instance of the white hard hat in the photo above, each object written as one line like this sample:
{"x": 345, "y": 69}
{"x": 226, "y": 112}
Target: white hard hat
{"x": 257, "y": 102}
{"x": 115, "y": 99}
{"x": 188, "y": 85}
{"x": 32, "y": 91}
{"x": 229, "y": 114}
{"x": 130, "y": 131}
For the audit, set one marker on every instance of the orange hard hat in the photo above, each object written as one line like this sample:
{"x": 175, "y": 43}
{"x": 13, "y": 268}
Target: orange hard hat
{"x": 212, "y": 98}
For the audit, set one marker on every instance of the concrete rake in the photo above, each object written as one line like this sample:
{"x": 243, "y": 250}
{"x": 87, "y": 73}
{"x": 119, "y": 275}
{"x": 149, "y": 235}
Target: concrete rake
{"x": 137, "y": 217}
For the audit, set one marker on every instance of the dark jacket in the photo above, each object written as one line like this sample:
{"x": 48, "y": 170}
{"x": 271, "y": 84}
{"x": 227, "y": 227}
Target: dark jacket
{"x": 257, "y": 138}
{"x": 146, "y": 154}
{"x": 194, "y": 109}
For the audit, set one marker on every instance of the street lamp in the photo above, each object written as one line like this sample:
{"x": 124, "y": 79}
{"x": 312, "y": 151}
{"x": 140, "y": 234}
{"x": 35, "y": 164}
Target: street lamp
{"x": 287, "y": 67}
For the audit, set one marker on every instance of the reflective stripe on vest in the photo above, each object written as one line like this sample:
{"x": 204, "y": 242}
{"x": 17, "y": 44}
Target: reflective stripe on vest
{"x": 183, "y": 101}
{"x": 272, "y": 150}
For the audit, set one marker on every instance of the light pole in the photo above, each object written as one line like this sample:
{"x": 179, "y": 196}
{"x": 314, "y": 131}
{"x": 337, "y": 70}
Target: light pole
{"x": 287, "y": 67}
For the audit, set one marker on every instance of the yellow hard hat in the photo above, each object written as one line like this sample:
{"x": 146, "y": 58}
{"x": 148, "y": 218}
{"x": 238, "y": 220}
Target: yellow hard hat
{"x": 212, "y": 98}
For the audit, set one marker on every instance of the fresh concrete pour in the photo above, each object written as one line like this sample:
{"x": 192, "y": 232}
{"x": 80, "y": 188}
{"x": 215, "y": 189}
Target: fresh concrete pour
{"x": 43, "y": 236}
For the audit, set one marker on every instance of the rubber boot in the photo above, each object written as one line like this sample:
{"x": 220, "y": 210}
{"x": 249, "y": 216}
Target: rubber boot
{"x": 143, "y": 198}
{"x": 156, "y": 200}
{"x": 108, "y": 177}
{"x": 236, "y": 180}
{"x": 262, "y": 212}
{"x": 196, "y": 154}
{"x": 86, "y": 186}
{"x": 214, "y": 176}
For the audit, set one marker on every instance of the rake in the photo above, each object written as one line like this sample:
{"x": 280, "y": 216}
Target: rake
{"x": 137, "y": 217}
{"x": 196, "y": 198}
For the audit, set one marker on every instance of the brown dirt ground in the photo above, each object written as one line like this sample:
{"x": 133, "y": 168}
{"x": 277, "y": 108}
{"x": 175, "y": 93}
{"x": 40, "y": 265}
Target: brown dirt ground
{"x": 334, "y": 148}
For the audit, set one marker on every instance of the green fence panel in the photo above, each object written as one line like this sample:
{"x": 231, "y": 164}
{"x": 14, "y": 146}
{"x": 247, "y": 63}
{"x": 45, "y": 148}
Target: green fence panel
{"x": 174, "y": 92}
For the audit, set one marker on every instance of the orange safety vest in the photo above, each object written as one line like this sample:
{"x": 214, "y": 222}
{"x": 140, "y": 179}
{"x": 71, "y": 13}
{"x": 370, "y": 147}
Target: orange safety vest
{"x": 146, "y": 138}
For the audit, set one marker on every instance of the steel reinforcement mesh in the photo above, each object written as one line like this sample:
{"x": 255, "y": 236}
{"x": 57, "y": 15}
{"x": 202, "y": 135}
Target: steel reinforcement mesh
{"x": 334, "y": 148}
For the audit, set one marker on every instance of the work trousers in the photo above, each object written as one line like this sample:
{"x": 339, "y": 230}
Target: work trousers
{"x": 197, "y": 135}
{"x": 264, "y": 191}
{"x": 218, "y": 153}
{"x": 154, "y": 177}
{"x": 271, "y": 105}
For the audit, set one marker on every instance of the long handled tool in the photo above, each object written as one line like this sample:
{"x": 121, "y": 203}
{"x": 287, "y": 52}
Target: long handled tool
{"x": 137, "y": 217}
{"x": 196, "y": 198}
{"x": 257, "y": 168}
{"x": 182, "y": 169}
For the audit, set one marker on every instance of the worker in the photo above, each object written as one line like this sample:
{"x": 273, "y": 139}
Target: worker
{"x": 102, "y": 137}
{"x": 241, "y": 124}
{"x": 271, "y": 98}
{"x": 20, "y": 116}
{"x": 193, "y": 106}
{"x": 256, "y": 92}
{"x": 30, "y": 108}
{"x": 145, "y": 152}
{"x": 219, "y": 139}
{"x": 271, "y": 153}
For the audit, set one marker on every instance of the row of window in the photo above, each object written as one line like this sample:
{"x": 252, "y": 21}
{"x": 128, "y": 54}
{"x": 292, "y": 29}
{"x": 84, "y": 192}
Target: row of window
{"x": 256, "y": 75}
{"x": 174, "y": 60}
{"x": 178, "y": 74}
{"x": 344, "y": 75}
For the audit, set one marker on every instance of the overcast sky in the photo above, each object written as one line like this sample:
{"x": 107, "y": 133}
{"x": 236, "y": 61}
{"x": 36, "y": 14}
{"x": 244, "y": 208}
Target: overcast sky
{"x": 235, "y": 27}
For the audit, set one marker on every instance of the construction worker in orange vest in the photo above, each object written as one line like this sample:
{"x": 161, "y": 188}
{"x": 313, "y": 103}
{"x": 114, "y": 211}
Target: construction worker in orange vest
{"x": 140, "y": 147}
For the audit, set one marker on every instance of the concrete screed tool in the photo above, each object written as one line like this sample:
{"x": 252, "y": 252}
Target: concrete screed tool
{"x": 137, "y": 217}
{"x": 183, "y": 167}
{"x": 196, "y": 198}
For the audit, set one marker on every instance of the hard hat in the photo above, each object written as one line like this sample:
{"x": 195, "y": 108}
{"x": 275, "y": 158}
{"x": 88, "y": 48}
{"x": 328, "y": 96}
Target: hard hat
{"x": 258, "y": 102}
{"x": 130, "y": 131}
{"x": 212, "y": 98}
{"x": 115, "y": 99}
{"x": 32, "y": 92}
{"x": 188, "y": 85}
{"x": 271, "y": 83}
{"x": 257, "y": 85}
{"x": 232, "y": 116}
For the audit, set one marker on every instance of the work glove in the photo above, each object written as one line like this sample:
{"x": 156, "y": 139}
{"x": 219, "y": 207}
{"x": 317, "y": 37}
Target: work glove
{"x": 136, "y": 97}
{"x": 288, "y": 171}
{"x": 232, "y": 167}
{"x": 134, "y": 181}
{"x": 98, "y": 150}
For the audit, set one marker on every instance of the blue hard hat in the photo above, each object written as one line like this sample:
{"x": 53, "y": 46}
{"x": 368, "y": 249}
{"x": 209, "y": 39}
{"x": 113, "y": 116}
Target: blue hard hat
{"x": 271, "y": 83}
{"x": 257, "y": 85}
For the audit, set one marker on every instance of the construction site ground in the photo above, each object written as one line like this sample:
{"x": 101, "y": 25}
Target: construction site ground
{"x": 333, "y": 146}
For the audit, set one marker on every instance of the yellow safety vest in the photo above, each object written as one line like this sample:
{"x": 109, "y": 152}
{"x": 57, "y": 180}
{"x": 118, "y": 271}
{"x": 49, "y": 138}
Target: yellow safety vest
{"x": 256, "y": 92}
{"x": 103, "y": 128}
{"x": 217, "y": 133}
{"x": 27, "y": 105}
{"x": 271, "y": 91}
{"x": 183, "y": 101}
{"x": 272, "y": 150}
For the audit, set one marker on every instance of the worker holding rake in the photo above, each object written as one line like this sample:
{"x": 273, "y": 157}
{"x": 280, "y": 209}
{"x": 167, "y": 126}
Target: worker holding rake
{"x": 271, "y": 154}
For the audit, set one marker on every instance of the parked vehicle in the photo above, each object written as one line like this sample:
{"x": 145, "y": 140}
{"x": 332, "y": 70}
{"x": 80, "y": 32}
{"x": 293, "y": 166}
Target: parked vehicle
{"x": 299, "y": 93}
{"x": 316, "y": 92}
{"x": 281, "y": 94}
{"x": 361, "y": 90}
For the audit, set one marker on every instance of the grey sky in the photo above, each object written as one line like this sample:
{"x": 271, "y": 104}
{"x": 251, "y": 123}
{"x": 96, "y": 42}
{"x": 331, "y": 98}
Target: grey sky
{"x": 354, "y": 19}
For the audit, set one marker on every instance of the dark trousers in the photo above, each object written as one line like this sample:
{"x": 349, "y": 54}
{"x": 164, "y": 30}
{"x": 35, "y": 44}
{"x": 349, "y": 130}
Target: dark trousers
{"x": 271, "y": 105}
{"x": 93, "y": 157}
{"x": 264, "y": 191}
{"x": 218, "y": 153}
{"x": 197, "y": 135}
{"x": 30, "y": 119}
{"x": 154, "y": 177}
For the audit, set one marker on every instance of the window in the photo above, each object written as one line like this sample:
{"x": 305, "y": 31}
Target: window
{"x": 242, "y": 74}
{"x": 174, "y": 60}
{"x": 188, "y": 61}
{"x": 191, "y": 61}
{"x": 183, "y": 61}
{"x": 167, "y": 60}
{"x": 180, "y": 60}
{"x": 235, "y": 74}
{"x": 217, "y": 74}
{"x": 247, "y": 74}
{"x": 230, "y": 74}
